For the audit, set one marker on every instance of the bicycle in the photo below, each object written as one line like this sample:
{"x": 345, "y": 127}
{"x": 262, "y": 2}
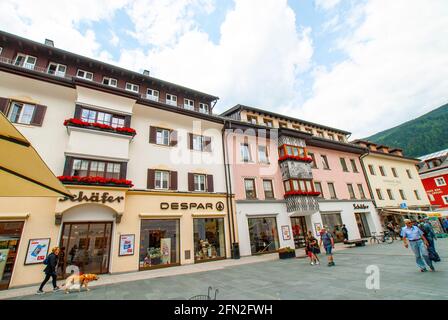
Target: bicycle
{"x": 383, "y": 237}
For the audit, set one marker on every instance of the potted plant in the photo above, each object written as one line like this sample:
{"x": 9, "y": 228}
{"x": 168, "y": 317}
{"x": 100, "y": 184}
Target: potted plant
{"x": 155, "y": 256}
{"x": 286, "y": 253}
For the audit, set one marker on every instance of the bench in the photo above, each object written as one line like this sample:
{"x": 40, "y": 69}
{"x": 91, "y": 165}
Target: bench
{"x": 356, "y": 242}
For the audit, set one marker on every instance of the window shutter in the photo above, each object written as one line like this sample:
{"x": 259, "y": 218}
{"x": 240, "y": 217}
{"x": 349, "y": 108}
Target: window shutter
{"x": 127, "y": 121}
{"x": 78, "y": 112}
{"x": 123, "y": 170}
{"x": 173, "y": 180}
{"x": 38, "y": 115}
{"x": 190, "y": 141}
{"x": 173, "y": 138}
{"x": 151, "y": 177}
{"x": 4, "y": 104}
{"x": 152, "y": 134}
{"x": 210, "y": 187}
{"x": 68, "y": 166}
{"x": 190, "y": 181}
{"x": 208, "y": 144}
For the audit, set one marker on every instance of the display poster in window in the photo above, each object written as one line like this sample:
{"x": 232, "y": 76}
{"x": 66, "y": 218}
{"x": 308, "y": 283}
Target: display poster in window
{"x": 127, "y": 245}
{"x": 3, "y": 258}
{"x": 37, "y": 251}
{"x": 165, "y": 248}
{"x": 286, "y": 232}
{"x": 318, "y": 228}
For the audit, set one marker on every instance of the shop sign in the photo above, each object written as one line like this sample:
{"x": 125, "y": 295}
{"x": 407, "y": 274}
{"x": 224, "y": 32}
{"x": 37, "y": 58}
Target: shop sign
{"x": 286, "y": 233}
{"x": 127, "y": 242}
{"x": 37, "y": 251}
{"x": 219, "y": 206}
{"x": 360, "y": 206}
{"x": 94, "y": 197}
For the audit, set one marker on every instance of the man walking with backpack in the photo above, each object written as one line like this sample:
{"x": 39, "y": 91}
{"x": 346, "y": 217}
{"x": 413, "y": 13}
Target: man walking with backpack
{"x": 51, "y": 263}
{"x": 430, "y": 235}
{"x": 327, "y": 239}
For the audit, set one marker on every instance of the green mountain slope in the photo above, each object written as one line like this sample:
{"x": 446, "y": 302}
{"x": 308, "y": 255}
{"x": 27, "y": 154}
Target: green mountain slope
{"x": 423, "y": 135}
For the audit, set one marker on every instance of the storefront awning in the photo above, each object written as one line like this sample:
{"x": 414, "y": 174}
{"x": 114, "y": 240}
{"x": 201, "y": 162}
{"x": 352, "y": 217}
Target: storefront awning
{"x": 413, "y": 212}
{"x": 23, "y": 173}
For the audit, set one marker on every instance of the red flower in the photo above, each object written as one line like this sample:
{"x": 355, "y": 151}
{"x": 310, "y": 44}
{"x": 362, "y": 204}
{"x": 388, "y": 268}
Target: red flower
{"x": 96, "y": 180}
{"x": 301, "y": 193}
{"x": 295, "y": 158}
{"x": 80, "y": 123}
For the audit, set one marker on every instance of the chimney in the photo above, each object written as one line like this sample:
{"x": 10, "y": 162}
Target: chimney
{"x": 146, "y": 73}
{"x": 49, "y": 42}
{"x": 384, "y": 149}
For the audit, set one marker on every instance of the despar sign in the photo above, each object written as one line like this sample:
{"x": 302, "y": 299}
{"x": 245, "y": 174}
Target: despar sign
{"x": 94, "y": 197}
{"x": 191, "y": 205}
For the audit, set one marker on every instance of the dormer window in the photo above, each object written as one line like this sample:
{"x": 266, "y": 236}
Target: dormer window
{"x": 341, "y": 138}
{"x": 283, "y": 125}
{"x": 110, "y": 82}
{"x": 188, "y": 104}
{"x": 25, "y": 61}
{"x": 309, "y": 130}
{"x": 203, "y": 108}
{"x": 84, "y": 75}
{"x": 132, "y": 87}
{"x": 57, "y": 69}
{"x": 252, "y": 119}
{"x": 320, "y": 134}
{"x": 152, "y": 94}
{"x": 171, "y": 99}
{"x": 330, "y": 136}
{"x": 269, "y": 123}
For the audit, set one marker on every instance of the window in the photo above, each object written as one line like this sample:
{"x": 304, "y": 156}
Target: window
{"x": 394, "y": 172}
{"x": 25, "y": 61}
{"x": 93, "y": 116}
{"x": 1, "y": 49}
{"x": 318, "y": 188}
{"x": 372, "y": 170}
{"x": 382, "y": 171}
{"x": 152, "y": 94}
{"x": 309, "y": 130}
{"x": 249, "y": 186}
{"x": 283, "y": 125}
{"x": 325, "y": 162}
{"x": 440, "y": 181}
{"x": 390, "y": 194}
{"x": 163, "y": 136}
{"x": 110, "y": 82}
{"x": 199, "y": 182}
{"x": 299, "y": 185}
{"x": 171, "y": 99}
{"x": 292, "y": 151}
{"x": 332, "y": 190}
{"x": 84, "y": 75}
{"x": 21, "y": 113}
{"x": 402, "y": 195}
{"x": 93, "y": 168}
{"x": 417, "y": 195}
{"x": 379, "y": 194}
{"x": 203, "y": 108}
{"x": 409, "y": 173}
{"x": 287, "y": 186}
{"x": 263, "y": 154}
{"x": 252, "y": 119}
{"x": 162, "y": 179}
{"x": 341, "y": 138}
{"x": 343, "y": 164}
{"x": 354, "y": 167}
{"x": 361, "y": 191}
{"x": 313, "y": 164}
{"x": 320, "y": 134}
{"x": 351, "y": 191}
{"x": 132, "y": 87}
{"x": 431, "y": 197}
{"x": 57, "y": 69}
{"x": 295, "y": 127}
{"x": 245, "y": 152}
{"x": 188, "y": 104}
{"x": 330, "y": 136}
{"x": 268, "y": 123}
{"x": 200, "y": 143}
{"x": 445, "y": 199}
{"x": 268, "y": 189}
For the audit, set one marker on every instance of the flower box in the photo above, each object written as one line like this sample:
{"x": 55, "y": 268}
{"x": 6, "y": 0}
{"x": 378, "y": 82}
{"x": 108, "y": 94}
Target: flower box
{"x": 302, "y": 193}
{"x": 96, "y": 181}
{"x": 286, "y": 253}
{"x": 99, "y": 126}
{"x": 296, "y": 158}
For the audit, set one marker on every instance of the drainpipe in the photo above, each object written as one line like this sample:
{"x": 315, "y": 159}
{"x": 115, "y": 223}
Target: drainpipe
{"x": 365, "y": 176}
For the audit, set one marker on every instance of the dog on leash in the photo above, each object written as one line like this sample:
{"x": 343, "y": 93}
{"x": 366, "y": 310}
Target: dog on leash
{"x": 75, "y": 281}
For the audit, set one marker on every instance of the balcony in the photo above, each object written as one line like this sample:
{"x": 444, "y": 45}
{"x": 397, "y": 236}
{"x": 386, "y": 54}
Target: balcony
{"x": 32, "y": 67}
{"x": 99, "y": 127}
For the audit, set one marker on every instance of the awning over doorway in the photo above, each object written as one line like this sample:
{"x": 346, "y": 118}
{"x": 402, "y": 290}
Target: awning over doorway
{"x": 412, "y": 212}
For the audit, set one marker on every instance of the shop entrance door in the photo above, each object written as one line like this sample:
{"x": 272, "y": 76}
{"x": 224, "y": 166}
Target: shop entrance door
{"x": 363, "y": 225}
{"x": 10, "y": 233}
{"x": 87, "y": 246}
{"x": 299, "y": 231}
{"x": 333, "y": 222}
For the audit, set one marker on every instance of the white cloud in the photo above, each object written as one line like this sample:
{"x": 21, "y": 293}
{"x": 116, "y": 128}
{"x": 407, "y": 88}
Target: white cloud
{"x": 326, "y": 4}
{"x": 114, "y": 39}
{"x": 256, "y": 61}
{"x": 57, "y": 20}
{"x": 396, "y": 68}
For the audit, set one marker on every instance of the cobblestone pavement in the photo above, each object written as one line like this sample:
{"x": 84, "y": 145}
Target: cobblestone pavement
{"x": 293, "y": 279}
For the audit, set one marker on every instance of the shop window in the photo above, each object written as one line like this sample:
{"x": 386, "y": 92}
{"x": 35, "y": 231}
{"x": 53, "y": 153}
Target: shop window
{"x": 249, "y": 186}
{"x": 268, "y": 189}
{"x": 263, "y": 235}
{"x": 333, "y": 223}
{"x": 10, "y": 234}
{"x": 159, "y": 243}
{"x": 209, "y": 239}
{"x": 299, "y": 231}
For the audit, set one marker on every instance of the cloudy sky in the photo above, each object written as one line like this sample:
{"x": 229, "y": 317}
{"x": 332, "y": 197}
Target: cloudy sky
{"x": 358, "y": 65}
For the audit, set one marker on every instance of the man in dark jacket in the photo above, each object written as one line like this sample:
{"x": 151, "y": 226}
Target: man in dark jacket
{"x": 50, "y": 270}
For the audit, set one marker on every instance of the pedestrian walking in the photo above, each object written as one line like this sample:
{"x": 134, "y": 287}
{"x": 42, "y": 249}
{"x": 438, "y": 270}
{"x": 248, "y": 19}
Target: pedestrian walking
{"x": 430, "y": 235}
{"x": 50, "y": 270}
{"x": 313, "y": 248}
{"x": 445, "y": 224}
{"x": 345, "y": 232}
{"x": 327, "y": 240}
{"x": 414, "y": 237}
{"x": 61, "y": 260}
